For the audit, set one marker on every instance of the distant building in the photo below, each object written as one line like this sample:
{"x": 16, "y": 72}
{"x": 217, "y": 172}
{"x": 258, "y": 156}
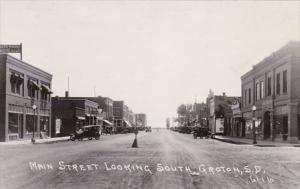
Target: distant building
{"x": 200, "y": 113}
{"x": 273, "y": 87}
{"x": 220, "y": 113}
{"x": 237, "y": 127}
{"x": 106, "y": 106}
{"x": 141, "y": 120}
{"x": 23, "y": 88}
{"x": 68, "y": 113}
{"x": 121, "y": 115}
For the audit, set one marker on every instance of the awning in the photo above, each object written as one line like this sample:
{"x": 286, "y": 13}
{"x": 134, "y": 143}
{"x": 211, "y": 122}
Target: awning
{"x": 81, "y": 118}
{"x": 35, "y": 85}
{"x": 45, "y": 87}
{"x": 127, "y": 123}
{"x": 106, "y": 121}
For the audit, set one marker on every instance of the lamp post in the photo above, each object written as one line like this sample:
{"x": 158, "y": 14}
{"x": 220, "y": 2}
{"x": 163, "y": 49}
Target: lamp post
{"x": 253, "y": 124}
{"x": 33, "y": 137}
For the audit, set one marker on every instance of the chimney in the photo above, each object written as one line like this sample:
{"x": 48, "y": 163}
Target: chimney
{"x": 224, "y": 94}
{"x": 67, "y": 94}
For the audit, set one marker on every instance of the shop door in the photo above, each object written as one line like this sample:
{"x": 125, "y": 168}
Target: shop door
{"x": 267, "y": 125}
{"x": 20, "y": 125}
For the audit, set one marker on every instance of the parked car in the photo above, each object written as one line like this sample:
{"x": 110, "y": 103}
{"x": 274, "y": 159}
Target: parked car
{"x": 201, "y": 132}
{"x": 89, "y": 131}
{"x": 148, "y": 129}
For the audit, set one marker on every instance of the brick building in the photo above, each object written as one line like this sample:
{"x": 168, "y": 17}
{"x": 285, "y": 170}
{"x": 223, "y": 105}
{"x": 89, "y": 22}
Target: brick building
{"x": 121, "y": 115}
{"x": 25, "y": 100}
{"x": 273, "y": 87}
{"x": 69, "y": 113}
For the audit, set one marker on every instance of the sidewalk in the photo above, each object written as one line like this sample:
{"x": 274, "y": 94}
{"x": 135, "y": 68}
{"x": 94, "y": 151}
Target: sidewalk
{"x": 260, "y": 143}
{"x": 37, "y": 141}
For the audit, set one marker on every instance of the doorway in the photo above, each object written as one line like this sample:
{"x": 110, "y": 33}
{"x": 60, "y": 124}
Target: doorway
{"x": 267, "y": 125}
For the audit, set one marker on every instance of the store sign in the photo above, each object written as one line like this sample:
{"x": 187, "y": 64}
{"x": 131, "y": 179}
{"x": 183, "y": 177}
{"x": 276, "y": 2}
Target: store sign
{"x": 57, "y": 126}
{"x": 10, "y": 48}
{"x": 219, "y": 125}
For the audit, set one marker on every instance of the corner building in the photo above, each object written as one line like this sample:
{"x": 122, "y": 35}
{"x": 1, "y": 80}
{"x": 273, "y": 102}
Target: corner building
{"x": 273, "y": 87}
{"x": 25, "y": 100}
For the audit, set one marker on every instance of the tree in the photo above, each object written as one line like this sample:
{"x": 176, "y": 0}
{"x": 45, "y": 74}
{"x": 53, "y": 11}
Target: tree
{"x": 182, "y": 110}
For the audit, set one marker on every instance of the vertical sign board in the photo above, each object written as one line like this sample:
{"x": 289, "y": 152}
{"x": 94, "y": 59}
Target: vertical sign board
{"x": 57, "y": 126}
{"x": 219, "y": 125}
{"x": 4, "y": 49}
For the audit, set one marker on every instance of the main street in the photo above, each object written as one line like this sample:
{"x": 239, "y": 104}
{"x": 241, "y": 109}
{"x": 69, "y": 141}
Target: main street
{"x": 164, "y": 159}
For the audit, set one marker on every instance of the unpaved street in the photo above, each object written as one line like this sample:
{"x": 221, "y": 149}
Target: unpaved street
{"x": 164, "y": 159}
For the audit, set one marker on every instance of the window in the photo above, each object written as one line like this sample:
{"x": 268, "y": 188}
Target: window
{"x": 13, "y": 123}
{"x": 278, "y": 84}
{"x": 45, "y": 92}
{"x": 30, "y": 120}
{"x": 284, "y": 85}
{"x": 261, "y": 92}
{"x": 16, "y": 83}
{"x": 32, "y": 87}
{"x": 245, "y": 97}
{"x": 249, "y": 95}
{"x": 257, "y": 94}
{"x": 269, "y": 86}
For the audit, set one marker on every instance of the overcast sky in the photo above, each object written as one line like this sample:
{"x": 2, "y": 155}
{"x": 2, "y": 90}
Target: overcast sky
{"x": 153, "y": 55}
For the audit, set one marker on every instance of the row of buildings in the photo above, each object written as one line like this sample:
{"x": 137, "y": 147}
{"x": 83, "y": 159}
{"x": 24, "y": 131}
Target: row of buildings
{"x": 27, "y": 108}
{"x": 269, "y": 101}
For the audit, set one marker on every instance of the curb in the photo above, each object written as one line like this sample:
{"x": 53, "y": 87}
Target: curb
{"x": 230, "y": 141}
{"x": 258, "y": 145}
{"x": 51, "y": 142}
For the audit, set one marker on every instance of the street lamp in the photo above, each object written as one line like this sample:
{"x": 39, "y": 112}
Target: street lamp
{"x": 34, "y": 108}
{"x": 253, "y": 124}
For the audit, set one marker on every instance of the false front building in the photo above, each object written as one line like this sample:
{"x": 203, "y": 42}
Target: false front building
{"x": 25, "y": 100}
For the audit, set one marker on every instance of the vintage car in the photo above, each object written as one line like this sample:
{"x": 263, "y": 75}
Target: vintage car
{"x": 201, "y": 132}
{"x": 88, "y": 131}
{"x": 148, "y": 129}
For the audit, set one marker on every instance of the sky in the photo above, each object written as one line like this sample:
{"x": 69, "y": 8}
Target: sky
{"x": 154, "y": 55}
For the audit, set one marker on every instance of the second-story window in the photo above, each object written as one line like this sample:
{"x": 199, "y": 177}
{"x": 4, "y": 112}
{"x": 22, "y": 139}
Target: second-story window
{"x": 269, "y": 91}
{"x": 245, "y": 97}
{"x": 257, "y": 90}
{"x": 16, "y": 83}
{"x": 46, "y": 91}
{"x": 278, "y": 83}
{"x": 249, "y": 96}
{"x": 261, "y": 91}
{"x": 33, "y": 87}
{"x": 284, "y": 84}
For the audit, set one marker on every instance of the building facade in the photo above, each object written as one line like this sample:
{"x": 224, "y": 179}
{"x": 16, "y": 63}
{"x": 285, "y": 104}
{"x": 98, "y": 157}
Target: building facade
{"x": 69, "y": 113}
{"x": 220, "y": 113}
{"x": 25, "y": 100}
{"x": 272, "y": 88}
{"x": 200, "y": 113}
{"x": 141, "y": 120}
{"x": 237, "y": 127}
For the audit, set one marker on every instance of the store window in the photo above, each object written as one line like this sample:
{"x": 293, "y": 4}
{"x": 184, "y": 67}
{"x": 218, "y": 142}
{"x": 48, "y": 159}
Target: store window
{"x": 13, "y": 123}
{"x": 31, "y": 123}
